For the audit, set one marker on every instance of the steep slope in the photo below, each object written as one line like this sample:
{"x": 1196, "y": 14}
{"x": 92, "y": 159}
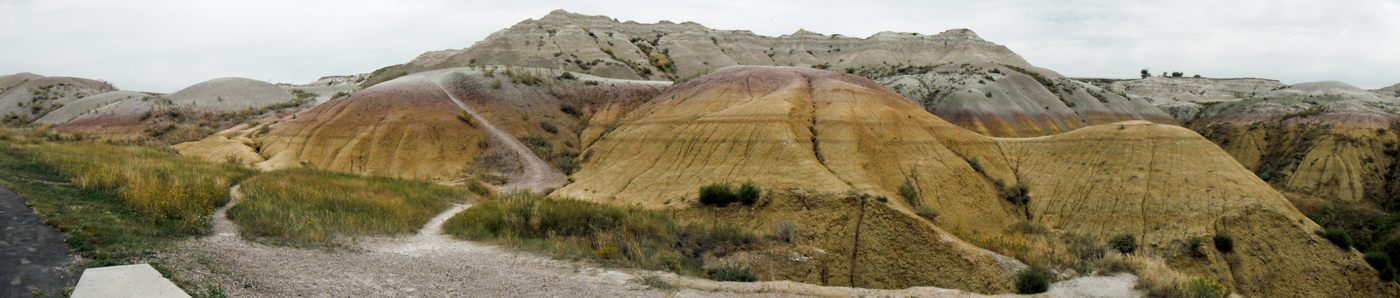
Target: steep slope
{"x": 25, "y": 97}
{"x": 818, "y": 140}
{"x": 1166, "y": 184}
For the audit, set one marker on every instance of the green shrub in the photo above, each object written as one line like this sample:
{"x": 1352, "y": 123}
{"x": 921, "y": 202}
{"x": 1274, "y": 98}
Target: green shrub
{"x": 549, "y": 127}
{"x": 977, "y": 165}
{"x": 1336, "y": 236}
{"x": 567, "y": 76}
{"x": 1032, "y": 281}
{"x": 749, "y": 193}
{"x": 1124, "y": 243}
{"x": 1224, "y": 243}
{"x": 926, "y": 212}
{"x": 1018, "y": 195}
{"x": 476, "y": 187}
{"x": 910, "y": 194}
{"x": 1381, "y": 262}
{"x": 1206, "y": 288}
{"x": 733, "y": 274}
{"x": 718, "y": 194}
{"x": 571, "y": 110}
{"x": 1196, "y": 246}
{"x": 722, "y": 194}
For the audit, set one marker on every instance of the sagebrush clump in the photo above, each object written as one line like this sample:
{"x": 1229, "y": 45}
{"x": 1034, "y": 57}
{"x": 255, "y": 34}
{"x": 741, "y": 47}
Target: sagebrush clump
{"x": 722, "y": 194}
{"x": 1124, "y": 243}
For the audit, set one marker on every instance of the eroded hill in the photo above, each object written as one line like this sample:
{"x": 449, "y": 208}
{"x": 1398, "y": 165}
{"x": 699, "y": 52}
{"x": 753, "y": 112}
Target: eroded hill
{"x": 955, "y": 74}
{"x": 812, "y": 131}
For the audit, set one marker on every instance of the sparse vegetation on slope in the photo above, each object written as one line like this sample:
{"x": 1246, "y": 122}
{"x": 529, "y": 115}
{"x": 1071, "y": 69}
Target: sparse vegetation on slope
{"x": 304, "y": 206}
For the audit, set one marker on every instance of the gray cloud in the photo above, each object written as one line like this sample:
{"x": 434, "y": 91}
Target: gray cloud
{"x": 162, "y": 46}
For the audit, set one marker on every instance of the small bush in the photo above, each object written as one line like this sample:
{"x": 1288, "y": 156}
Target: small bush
{"x": 926, "y": 212}
{"x": 1381, "y": 262}
{"x": 1224, "y": 243}
{"x": 910, "y": 194}
{"x": 1124, "y": 243}
{"x": 1206, "y": 288}
{"x": 571, "y": 110}
{"x": 722, "y": 194}
{"x": 784, "y": 231}
{"x": 476, "y": 187}
{"x": 1032, "y": 281}
{"x": 1027, "y": 227}
{"x": 749, "y": 193}
{"x": 1336, "y": 236}
{"x": 1018, "y": 195}
{"x": 977, "y": 165}
{"x": 567, "y": 76}
{"x": 1084, "y": 247}
{"x": 718, "y": 194}
{"x": 1195, "y": 243}
{"x": 733, "y": 274}
{"x": 549, "y": 127}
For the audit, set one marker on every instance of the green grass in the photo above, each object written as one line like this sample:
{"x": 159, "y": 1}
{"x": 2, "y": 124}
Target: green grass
{"x": 576, "y": 229}
{"x": 116, "y": 204}
{"x": 308, "y": 207}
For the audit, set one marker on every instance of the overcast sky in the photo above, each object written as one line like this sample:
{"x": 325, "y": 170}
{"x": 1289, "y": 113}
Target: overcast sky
{"x": 162, "y": 46}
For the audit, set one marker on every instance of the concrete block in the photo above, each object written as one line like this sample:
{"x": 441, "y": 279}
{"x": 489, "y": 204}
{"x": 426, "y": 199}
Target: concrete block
{"x": 138, "y": 280}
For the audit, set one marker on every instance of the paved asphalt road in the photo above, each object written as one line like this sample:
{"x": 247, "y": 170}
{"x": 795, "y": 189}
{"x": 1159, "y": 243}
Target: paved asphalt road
{"x": 32, "y": 254}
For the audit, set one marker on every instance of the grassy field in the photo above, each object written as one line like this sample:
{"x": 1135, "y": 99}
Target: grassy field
{"x": 307, "y": 207}
{"x": 576, "y": 229}
{"x": 115, "y": 203}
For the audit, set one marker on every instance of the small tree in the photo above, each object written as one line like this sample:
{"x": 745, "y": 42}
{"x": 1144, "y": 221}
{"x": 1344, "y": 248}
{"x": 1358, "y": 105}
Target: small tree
{"x": 1145, "y": 74}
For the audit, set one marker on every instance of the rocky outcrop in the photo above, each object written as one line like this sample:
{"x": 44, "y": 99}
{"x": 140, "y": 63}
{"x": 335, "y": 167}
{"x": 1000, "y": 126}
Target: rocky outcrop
{"x": 1010, "y": 101}
{"x": 1195, "y": 89}
{"x": 26, "y": 97}
{"x": 604, "y": 47}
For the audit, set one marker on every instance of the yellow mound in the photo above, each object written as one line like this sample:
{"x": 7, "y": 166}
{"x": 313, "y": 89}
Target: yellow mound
{"x": 829, "y": 134}
{"x": 390, "y": 130}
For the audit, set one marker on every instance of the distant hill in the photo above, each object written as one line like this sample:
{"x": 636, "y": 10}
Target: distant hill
{"x": 26, "y": 97}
